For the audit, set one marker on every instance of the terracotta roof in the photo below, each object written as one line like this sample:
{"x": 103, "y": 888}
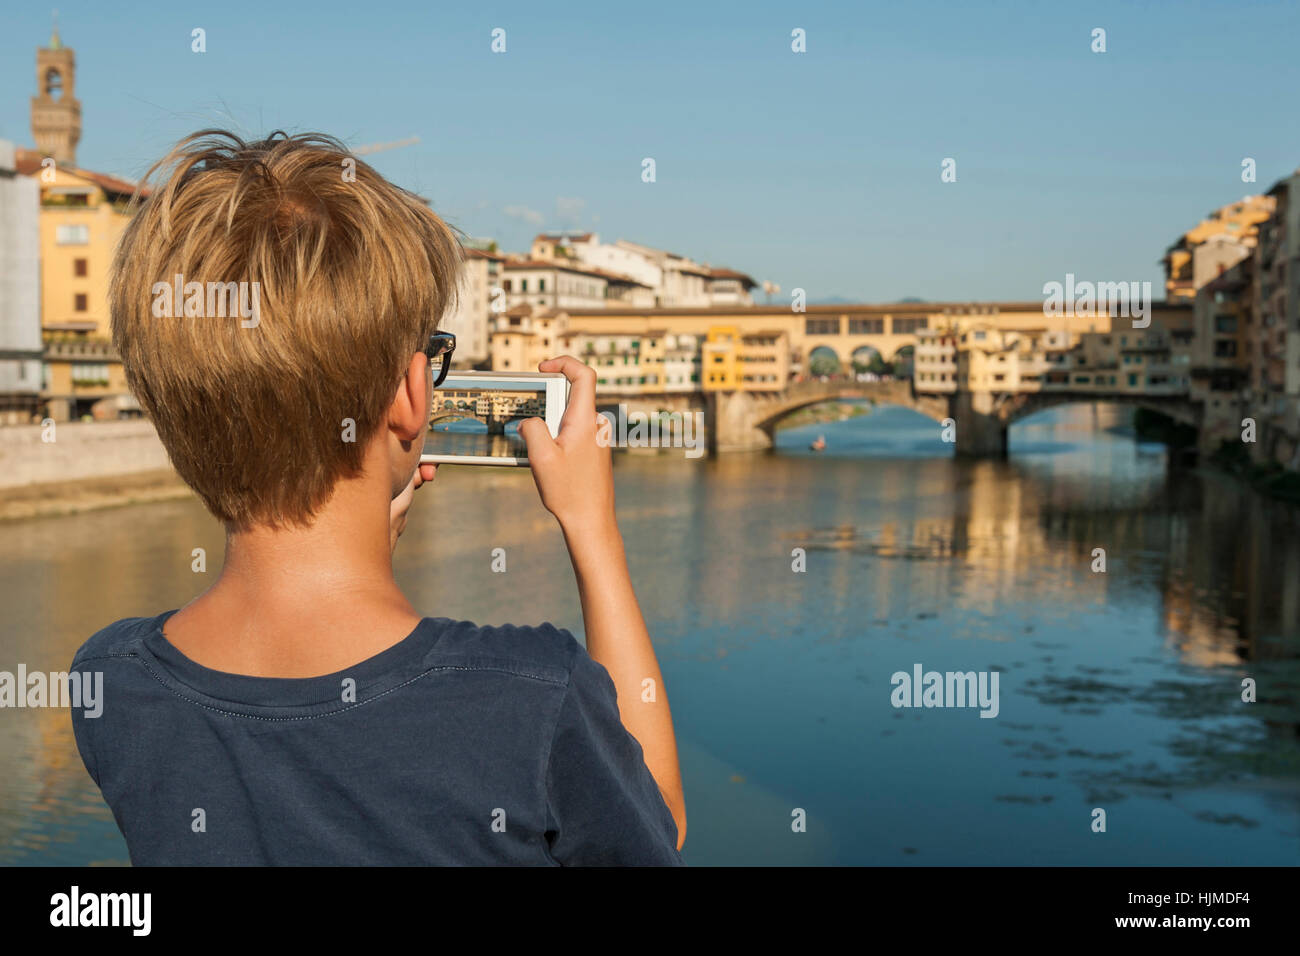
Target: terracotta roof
{"x": 579, "y": 269}
{"x": 558, "y": 237}
{"x": 525, "y": 309}
{"x": 613, "y": 276}
{"x": 111, "y": 184}
{"x": 482, "y": 254}
{"x": 28, "y": 162}
{"x": 513, "y": 262}
{"x": 733, "y": 274}
{"x": 693, "y": 270}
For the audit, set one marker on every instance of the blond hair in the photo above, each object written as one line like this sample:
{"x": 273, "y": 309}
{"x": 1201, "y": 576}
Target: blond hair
{"x": 351, "y": 274}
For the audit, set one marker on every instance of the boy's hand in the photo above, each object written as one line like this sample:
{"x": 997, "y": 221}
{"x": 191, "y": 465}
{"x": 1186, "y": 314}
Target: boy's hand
{"x": 402, "y": 503}
{"x": 574, "y": 472}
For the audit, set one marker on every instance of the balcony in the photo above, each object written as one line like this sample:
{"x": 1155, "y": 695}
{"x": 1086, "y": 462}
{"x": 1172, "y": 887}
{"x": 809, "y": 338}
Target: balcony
{"x": 67, "y": 349}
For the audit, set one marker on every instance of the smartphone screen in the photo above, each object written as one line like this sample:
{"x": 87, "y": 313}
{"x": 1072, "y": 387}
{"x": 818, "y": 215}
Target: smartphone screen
{"x": 475, "y": 416}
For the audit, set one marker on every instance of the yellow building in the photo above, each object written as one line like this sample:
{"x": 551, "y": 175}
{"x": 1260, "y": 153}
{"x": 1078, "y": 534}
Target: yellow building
{"x": 764, "y": 360}
{"x": 721, "y": 359}
{"x": 522, "y": 336}
{"x": 988, "y": 358}
{"x": 82, "y": 215}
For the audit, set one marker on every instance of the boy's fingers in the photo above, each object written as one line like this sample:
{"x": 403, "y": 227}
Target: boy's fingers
{"x": 424, "y": 472}
{"x": 537, "y": 437}
{"x": 582, "y": 385}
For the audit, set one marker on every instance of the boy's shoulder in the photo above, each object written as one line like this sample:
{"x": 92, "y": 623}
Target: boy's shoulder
{"x": 541, "y": 651}
{"x": 119, "y": 639}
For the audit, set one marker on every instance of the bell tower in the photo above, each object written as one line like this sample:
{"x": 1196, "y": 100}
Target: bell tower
{"x": 56, "y": 111}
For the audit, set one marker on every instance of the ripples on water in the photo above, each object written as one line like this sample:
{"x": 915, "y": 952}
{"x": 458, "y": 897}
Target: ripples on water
{"x": 1118, "y": 690}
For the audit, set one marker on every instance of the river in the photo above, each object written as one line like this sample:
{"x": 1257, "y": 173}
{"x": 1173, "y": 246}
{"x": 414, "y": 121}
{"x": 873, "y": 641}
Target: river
{"x": 1118, "y": 690}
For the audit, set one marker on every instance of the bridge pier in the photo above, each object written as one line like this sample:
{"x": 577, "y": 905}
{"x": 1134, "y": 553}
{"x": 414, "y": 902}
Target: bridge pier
{"x": 981, "y": 432}
{"x": 732, "y": 420}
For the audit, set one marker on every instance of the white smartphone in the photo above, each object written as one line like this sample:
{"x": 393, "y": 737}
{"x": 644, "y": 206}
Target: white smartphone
{"x": 476, "y": 415}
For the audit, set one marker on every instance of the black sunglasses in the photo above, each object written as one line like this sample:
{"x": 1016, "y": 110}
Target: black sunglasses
{"x": 441, "y": 345}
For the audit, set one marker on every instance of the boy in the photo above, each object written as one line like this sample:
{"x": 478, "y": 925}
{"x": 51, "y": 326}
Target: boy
{"x": 300, "y": 711}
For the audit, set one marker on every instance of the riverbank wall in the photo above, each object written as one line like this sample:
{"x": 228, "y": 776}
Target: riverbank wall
{"x": 70, "y": 451}
{"x": 70, "y": 467}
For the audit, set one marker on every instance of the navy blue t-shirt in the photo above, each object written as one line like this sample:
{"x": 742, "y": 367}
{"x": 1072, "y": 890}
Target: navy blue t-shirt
{"x": 457, "y": 745}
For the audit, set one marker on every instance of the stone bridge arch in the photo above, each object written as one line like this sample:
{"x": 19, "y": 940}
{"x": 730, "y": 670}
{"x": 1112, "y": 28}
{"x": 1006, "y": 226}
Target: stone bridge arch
{"x": 739, "y": 421}
{"x": 824, "y": 360}
{"x": 1176, "y": 407}
{"x": 867, "y": 358}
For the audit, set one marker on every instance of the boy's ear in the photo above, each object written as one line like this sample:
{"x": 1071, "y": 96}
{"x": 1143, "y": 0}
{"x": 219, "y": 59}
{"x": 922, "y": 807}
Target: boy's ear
{"x": 410, "y": 409}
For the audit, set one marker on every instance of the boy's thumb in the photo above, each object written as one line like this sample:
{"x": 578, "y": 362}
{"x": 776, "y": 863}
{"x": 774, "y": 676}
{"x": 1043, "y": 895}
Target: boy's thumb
{"x": 536, "y": 436}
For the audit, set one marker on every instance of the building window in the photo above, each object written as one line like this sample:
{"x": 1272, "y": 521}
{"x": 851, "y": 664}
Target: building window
{"x": 506, "y": 286}
{"x": 79, "y": 268}
{"x": 866, "y": 326}
{"x": 79, "y": 302}
{"x": 821, "y": 326}
{"x": 72, "y": 235}
{"x": 541, "y": 285}
{"x": 523, "y": 285}
{"x": 89, "y": 373}
{"x": 908, "y": 326}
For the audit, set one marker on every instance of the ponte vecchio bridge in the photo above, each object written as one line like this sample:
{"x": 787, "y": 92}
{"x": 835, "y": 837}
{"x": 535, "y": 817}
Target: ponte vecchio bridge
{"x": 773, "y": 373}
{"x": 496, "y": 408}
{"x": 740, "y": 421}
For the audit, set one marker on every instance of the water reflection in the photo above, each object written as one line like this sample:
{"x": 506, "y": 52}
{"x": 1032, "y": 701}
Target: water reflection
{"x": 1119, "y": 689}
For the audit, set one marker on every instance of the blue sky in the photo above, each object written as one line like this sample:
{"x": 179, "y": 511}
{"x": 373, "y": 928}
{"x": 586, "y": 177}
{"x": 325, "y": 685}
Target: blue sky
{"x": 818, "y": 170}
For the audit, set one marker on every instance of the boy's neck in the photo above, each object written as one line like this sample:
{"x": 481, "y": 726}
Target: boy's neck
{"x": 301, "y": 602}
